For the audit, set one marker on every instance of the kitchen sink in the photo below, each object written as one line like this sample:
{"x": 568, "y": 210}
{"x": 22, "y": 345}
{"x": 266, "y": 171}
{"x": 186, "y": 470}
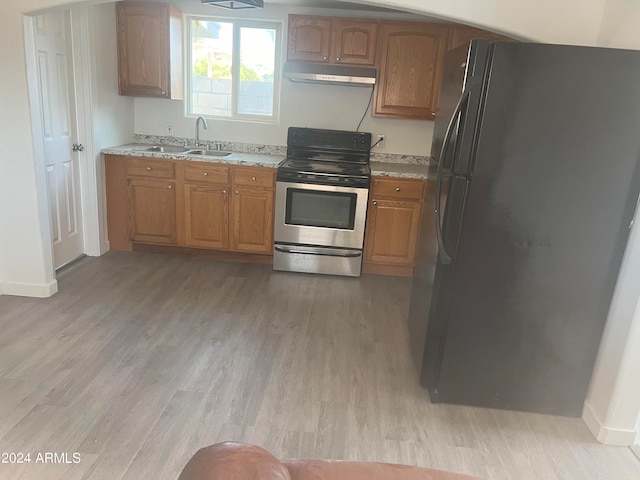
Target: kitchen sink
{"x": 166, "y": 149}
{"x": 208, "y": 153}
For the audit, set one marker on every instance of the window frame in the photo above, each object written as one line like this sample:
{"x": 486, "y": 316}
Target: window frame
{"x": 238, "y": 24}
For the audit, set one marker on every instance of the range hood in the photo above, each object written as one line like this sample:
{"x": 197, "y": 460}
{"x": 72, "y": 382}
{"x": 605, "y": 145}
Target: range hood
{"x": 330, "y": 74}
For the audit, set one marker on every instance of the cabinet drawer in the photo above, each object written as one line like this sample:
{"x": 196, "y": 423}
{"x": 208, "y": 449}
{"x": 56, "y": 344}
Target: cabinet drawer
{"x": 253, "y": 177}
{"x": 206, "y": 173}
{"x": 397, "y": 188}
{"x": 144, "y": 167}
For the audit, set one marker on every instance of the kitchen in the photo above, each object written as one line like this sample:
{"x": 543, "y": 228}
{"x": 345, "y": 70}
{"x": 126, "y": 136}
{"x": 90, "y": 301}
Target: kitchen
{"x": 150, "y": 116}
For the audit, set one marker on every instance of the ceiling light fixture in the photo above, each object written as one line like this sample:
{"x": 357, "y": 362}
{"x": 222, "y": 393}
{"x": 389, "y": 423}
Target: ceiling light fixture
{"x": 236, "y": 4}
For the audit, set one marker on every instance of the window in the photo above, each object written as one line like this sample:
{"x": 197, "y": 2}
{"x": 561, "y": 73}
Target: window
{"x": 234, "y": 69}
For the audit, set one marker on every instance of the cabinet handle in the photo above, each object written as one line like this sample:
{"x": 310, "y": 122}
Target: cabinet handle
{"x": 206, "y": 174}
{"x": 375, "y": 203}
{"x": 170, "y": 187}
{"x": 397, "y": 189}
{"x": 253, "y": 179}
{"x": 237, "y": 192}
{"x": 148, "y": 169}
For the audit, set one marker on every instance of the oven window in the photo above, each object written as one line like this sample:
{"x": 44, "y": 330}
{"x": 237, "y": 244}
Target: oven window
{"x": 315, "y": 208}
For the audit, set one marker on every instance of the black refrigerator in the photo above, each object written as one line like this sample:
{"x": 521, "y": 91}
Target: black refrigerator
{"x": 532, "y": 190}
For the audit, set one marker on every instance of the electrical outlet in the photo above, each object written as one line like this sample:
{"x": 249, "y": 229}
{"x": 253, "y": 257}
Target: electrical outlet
{"x": 381, "y": 140}
{"x": 168, "y": 129}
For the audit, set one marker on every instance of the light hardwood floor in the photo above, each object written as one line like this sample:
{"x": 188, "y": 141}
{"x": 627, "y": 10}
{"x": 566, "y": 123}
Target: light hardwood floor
{"x": 141, "y": 359}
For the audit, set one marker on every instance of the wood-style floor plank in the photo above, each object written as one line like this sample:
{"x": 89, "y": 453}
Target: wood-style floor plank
{"x": 141, "y": 359}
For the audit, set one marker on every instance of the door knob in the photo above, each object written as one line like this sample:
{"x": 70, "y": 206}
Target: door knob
{"x": 78, "y": 147}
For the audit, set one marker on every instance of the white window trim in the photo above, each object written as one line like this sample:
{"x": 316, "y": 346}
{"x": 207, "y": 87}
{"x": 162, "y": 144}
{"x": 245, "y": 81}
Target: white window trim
{"x": 277, "y": 76}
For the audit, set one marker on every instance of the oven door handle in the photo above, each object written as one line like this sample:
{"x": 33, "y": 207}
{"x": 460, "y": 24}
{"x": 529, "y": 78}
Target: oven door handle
{"x": 321, "y": 253}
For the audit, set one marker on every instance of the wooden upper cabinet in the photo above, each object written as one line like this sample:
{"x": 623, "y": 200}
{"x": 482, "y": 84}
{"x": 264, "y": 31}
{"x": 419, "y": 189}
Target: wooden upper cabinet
{"x": 462, "y": 35}
{"x": 149, "y": 50}
{"x": 409, "y": 69}
{"x": 309, "y": 38}
{"x": 332, "y": 40}
{"x": 354, "y": 41}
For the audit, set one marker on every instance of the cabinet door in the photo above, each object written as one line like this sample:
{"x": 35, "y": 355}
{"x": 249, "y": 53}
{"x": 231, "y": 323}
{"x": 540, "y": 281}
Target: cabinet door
{"x": 354, "y": 42}
{"x": 206, "y": 216}
{"x": 149, "y": 50}
{"x": 392, "y": 229}
{"x": 309, "y": 38}
{"x": 252, "y": 220}
{"x": 409, "y": 74}
{"x": 152, "y": 211}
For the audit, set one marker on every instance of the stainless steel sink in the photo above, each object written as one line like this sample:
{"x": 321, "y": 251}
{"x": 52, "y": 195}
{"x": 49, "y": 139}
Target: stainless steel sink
{"x": 208, "y": 153}
{"x": 166, "y": 149}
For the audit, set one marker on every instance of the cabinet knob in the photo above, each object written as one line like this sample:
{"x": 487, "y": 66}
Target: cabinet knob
{"x": 206, "y": 174}
{"x": 337, "y": 59}
{"x": 397, "y": 189}
{"x": 170, "y": 187}
{"x": 375, "y": 203}
{"x": 253, "y": 179}
{"x": 148, "y": 169}
{"x": 324, "y": 58}
{"x": 237, "y": 192}
{"x": 164, "y": 92}
{"x": 224, "y": 192}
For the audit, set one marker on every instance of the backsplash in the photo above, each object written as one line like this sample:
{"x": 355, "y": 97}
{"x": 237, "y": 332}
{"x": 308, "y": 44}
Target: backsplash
{"x": 226, "y": 146}
{"x": 272, "y": 149}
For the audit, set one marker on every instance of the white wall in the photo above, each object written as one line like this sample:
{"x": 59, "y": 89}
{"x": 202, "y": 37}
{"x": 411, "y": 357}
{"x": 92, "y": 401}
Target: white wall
{"x": 302, "y": 105}
{"x": 620, "y": 24}
{"x": 113, "y": 115}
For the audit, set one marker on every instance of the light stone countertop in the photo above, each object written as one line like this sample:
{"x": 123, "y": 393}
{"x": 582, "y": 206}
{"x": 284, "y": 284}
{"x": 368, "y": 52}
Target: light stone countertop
{"x": 401, "y": 170}
{"x": 234, "y": 158}
{"x": 383, "y": 169}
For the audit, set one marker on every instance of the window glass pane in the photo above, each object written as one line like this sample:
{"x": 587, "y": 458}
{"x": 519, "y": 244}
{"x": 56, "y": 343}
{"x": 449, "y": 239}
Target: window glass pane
{"x": 257, "y": 68}
{"x": 212, "y": 59}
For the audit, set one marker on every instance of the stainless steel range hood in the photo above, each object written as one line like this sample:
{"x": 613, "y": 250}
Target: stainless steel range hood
{"x": 330, "y": 74}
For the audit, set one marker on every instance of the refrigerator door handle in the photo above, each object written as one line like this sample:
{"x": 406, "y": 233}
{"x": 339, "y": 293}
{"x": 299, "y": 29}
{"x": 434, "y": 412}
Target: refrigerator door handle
{"x": 442, "y": 253}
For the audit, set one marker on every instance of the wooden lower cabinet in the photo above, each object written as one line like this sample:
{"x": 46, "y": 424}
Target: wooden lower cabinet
{"x": 206, "y": 216}
{"x": 392, "y": 229}
{"x": 152, "y": 210}
{"x": 189, "y": 204}
{"x": 393, "y": 224}
{"x": 252, "y": 218}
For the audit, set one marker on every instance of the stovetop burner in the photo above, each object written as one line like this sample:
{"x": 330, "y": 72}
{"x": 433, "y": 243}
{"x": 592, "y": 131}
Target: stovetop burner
{"x": 326, "y": 156}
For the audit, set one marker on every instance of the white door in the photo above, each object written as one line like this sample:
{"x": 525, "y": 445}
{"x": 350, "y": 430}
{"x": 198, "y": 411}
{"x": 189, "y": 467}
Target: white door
{"x": 57, "y": 103}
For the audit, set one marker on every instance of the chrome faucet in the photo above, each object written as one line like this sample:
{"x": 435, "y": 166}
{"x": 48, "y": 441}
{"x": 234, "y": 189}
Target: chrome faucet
{"x": 204, "y": 121}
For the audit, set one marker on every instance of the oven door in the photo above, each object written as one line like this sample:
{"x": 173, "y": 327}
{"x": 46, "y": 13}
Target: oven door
{"x": 322, "y": 215}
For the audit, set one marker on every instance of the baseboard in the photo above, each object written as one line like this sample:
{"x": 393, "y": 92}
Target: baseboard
{"x": 29, "y": 290}
{"x": 606, "y": 435}
{"x": 636, "y": 449}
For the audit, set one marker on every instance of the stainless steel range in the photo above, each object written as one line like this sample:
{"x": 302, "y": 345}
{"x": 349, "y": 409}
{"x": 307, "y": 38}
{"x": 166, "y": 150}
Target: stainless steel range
{"x": 322, "y": 191}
